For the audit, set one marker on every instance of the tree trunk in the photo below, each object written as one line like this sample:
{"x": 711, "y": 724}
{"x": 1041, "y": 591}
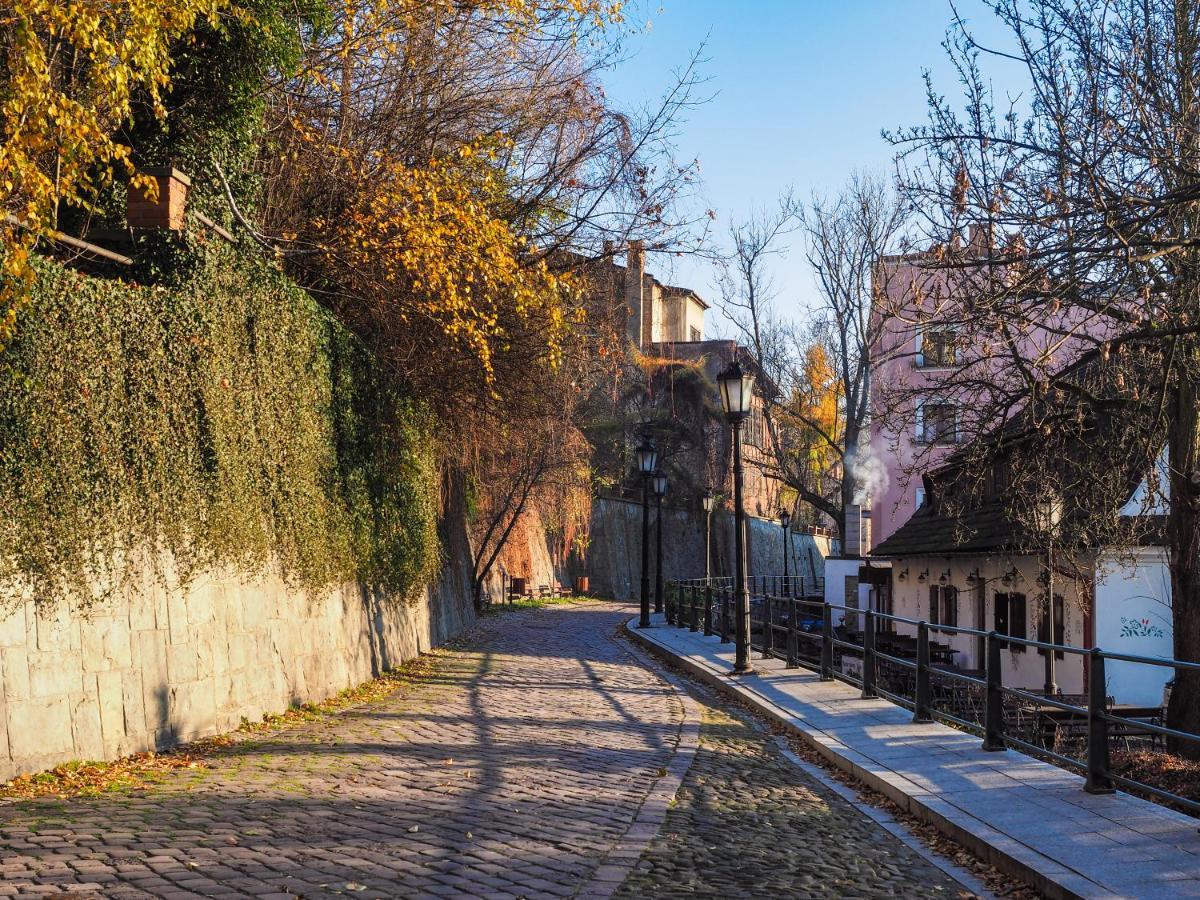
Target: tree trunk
{"x": 1183, "y": 541}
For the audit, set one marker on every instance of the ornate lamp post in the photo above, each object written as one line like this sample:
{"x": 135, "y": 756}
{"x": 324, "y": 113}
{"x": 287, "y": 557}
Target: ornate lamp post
{"x": 1047, "y": 513}
{"x": 737, "y": 393}
{"x": 647, "y": 460}
{"x": 785, "y": 519}
{"x": 709, "y": 500}
{"x": 660, "y": 490}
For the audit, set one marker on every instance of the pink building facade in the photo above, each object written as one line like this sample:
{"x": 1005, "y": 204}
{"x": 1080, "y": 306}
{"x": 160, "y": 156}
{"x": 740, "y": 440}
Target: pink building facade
{"x": 921, "y": 408}
{"x": 911, "y": 359}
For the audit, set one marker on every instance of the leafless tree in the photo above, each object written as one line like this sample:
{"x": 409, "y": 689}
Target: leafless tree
{"x": 1084, "y": 197}
{"x": 847, "y": 238}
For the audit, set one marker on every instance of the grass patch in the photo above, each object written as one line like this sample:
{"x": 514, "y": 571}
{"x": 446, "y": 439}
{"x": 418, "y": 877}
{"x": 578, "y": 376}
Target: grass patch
{"x": 533, "y": 603}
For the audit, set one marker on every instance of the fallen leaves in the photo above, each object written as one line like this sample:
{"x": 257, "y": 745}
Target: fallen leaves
{"x": 142, "y": 771}
{"x": 87, "y": 779}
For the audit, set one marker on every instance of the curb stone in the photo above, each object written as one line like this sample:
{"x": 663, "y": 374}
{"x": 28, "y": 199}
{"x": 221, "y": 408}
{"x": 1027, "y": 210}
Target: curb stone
{"x": 887, "y": 822}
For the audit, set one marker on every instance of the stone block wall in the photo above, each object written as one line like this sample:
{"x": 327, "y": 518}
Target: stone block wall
{"x": 161, "y": 666}
{"x": 613, "y": 557}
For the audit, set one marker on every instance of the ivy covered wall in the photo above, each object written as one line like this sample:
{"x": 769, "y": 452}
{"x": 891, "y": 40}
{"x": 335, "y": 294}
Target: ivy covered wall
{"x": 211, "y": 506}
{"x": 225, "y": 420}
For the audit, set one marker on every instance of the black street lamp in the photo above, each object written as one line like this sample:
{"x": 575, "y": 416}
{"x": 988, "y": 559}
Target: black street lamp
{"x": 737, "y": 393}
{"x": 785, "y": 519}
{"x": 1047, "y": 514}
{"x": 709, "y": 500}
{"x": 647, "y": 460}
{"x": 660, "y": 490}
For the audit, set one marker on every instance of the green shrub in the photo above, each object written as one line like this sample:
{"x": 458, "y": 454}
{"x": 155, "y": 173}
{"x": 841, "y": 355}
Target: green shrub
{"x": 225, "y": 420}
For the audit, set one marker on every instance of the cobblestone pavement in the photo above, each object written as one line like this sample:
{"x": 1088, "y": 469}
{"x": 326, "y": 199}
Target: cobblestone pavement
{"x": 532, "y": 762}
{"x": 748, "y": 823}
{"x": 511, "y": 771}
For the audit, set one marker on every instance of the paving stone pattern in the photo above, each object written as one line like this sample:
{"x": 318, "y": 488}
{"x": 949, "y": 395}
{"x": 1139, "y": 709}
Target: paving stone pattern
{"x": 511, "y": 771}
{"x": 748, "y": 823}
{"x": 524, "y": 765}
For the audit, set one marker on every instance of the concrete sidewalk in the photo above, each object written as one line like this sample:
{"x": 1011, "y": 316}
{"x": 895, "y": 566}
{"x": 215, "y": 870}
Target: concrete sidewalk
{"x": 1026, "y": 817}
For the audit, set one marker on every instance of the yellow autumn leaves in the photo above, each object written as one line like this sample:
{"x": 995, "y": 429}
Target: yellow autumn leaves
{"x": 423, "y": 246}
{"x": 70, "y": 70}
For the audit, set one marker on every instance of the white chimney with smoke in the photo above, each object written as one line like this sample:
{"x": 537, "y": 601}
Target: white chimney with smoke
{"x": 868, "y": 474}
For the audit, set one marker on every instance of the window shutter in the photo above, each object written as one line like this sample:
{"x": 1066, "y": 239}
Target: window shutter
{"x": 919, "y": 423}
{"x": 918, "y": 344}
{"x": 1000, "y": 613}
{"x": 933, "y": 604}
{"x": 1016, "y": 615}
{"x": 950, "y": 606}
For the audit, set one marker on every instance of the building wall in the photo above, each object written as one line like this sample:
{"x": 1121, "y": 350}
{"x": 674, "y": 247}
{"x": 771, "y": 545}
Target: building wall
{"x": 1025, "y": 669}
{"x": 1133, "y": 615}
{"x": 899, "y": 368}
{"x": 903, "y": 378}
{"x": 693, "y": 317}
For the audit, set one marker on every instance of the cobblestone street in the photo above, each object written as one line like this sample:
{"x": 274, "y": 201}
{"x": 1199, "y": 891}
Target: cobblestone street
{"x": 748, "y": 823}
{"x": 520, "y": 768}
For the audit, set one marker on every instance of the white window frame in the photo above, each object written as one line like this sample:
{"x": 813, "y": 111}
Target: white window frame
{"x": 919, "y": 348}
{"x": 919, "y": 434}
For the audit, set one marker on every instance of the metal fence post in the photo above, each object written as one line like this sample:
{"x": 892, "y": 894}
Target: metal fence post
{"x": 708, "y": 629}
{"x": 826, "y": 642}
{"x": 921, "y": 711}
{"x": 793, "y": 637}
{"x": 868, "y": 673}
{"x": 694, "y": 619}
{"x": 993, "y": 710}
{"x": 1098, "y": 780}
{"x": 670, "y": 602}
{"x": 768, "y": 623}
{"x": 724, "y": 617}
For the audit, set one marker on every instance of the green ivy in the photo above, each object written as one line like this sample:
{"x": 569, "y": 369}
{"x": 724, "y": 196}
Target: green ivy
{"x": 224, "y": 420}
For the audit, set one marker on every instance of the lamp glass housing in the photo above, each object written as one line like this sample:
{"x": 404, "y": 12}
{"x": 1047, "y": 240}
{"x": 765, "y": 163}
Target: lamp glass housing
{"x": 785, "y": 518}
{"x": 647, "y": 457}
{"x": 709, "y": 499}
{"x": 1047, "y": 513}
{"x": 737, "y": 391}
{"x": 660, "y": 484}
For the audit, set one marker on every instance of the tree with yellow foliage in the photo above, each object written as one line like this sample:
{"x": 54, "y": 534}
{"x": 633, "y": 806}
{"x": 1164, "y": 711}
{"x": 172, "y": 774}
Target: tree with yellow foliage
{"x": 68, "y": 76}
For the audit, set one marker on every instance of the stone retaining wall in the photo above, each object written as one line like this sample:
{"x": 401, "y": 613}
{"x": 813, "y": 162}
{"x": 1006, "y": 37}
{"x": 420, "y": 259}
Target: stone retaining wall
{"x": 614, "y": 551}
{"x": 165, "y": 666}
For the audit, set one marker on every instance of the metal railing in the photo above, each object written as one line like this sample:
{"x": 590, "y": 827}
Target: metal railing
{"x": 800, "y": 629}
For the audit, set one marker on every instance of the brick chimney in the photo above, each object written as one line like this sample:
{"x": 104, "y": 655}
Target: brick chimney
{"x": 852, "y": 540}
{"x": 979, "y": 240}
{"x": 635, "y": 271}
{"x": 165, "y": 212}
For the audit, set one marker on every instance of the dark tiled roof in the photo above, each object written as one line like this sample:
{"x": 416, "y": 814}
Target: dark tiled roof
{"x": 985, "y": 528}
{"x": 987, "y": 525}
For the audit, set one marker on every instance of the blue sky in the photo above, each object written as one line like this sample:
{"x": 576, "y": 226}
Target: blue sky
{"x": 802, "y": 90}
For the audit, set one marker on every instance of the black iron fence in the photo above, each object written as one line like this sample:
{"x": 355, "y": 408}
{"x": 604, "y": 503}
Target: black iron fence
{"x": 897, "y": 658}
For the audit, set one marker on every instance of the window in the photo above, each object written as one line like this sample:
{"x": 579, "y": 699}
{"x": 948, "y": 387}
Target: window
{"x": 754, "y": 427}
{"x": 943, "y": 605}
{"x": 937, "y": 422}
{"x": 1060, "y": 631}
{"x": 1000, "y": 477}
{"x": 694, "y": 335}
{"x": 936, "y": 347}
{"x": 920, "y": 497}
{"x": 1010, "y": 617}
